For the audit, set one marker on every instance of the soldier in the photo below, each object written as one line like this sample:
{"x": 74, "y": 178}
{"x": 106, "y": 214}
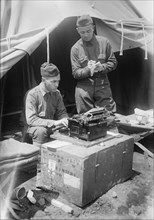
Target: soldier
{"x": 92, "y": 59}
{"x": 44, "y": 107}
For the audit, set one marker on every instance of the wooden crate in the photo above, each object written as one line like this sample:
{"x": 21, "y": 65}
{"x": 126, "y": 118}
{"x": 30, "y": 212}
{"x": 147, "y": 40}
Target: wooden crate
{"x": 83, "y": 174}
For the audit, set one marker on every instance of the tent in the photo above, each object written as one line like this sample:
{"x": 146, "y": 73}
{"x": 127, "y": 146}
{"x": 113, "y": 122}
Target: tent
{"x": 33, "y": 32}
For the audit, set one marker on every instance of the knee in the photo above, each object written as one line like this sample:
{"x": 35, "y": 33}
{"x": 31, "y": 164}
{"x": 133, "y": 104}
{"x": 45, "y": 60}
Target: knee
{"x": 40, "y": 135}
{"x": 41, "y": 131}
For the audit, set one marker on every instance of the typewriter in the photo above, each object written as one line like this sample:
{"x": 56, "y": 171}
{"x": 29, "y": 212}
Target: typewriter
{"x": 90, "y": 125}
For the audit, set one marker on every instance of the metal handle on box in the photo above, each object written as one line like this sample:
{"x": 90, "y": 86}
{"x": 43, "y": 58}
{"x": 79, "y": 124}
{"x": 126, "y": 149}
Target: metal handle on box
{"x": 97, "y": 165}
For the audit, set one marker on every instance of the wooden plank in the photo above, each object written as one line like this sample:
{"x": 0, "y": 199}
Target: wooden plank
{"x": 12, "y": 113}
{"x": 145, "y": 149}
{"x": 84, "y": 143}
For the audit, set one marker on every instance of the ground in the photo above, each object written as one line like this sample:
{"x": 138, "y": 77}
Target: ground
{"x": 132, "y": 199}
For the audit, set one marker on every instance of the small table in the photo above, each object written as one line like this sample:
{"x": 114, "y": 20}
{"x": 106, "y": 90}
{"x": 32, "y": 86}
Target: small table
{"x": 127, "y": 126}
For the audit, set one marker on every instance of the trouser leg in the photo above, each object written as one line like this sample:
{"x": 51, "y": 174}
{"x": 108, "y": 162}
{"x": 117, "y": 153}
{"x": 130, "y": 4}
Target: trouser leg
{"x": 88, "y": 97}
{"x": 39, "y": 135}
{"x": 84, "y": 98}
{"x": 103, "y": 98}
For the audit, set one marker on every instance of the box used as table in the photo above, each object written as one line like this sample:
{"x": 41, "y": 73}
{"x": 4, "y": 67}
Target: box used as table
{"x": 83, "y": 174}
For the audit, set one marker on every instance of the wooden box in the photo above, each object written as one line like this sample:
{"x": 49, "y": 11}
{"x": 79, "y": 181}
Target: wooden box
{"x": 83, "y": 174}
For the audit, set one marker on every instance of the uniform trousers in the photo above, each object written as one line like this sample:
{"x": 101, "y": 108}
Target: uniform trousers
{"x": 94, "y": 94}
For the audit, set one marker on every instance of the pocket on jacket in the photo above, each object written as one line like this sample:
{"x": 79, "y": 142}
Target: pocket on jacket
{"x": 102, "y": 58}
{"x": 83, "y": 61}
{"x": 41, "y": 114}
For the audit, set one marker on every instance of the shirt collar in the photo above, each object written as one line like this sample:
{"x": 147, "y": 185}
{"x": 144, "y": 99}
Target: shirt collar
{"x": 91, "y": 42}
{"x": 42, "y": 89}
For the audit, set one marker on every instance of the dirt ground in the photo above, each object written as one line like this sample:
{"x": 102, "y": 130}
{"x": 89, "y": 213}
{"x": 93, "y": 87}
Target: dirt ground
{"x": 132, "y": 199}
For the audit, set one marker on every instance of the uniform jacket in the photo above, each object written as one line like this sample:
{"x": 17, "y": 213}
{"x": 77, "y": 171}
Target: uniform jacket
{"x": 42, "y": 107}
{"x": 101, "y": 51}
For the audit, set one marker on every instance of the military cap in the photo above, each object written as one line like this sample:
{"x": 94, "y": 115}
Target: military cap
{"x": 84, "y": 20}
{"x": 49, "y": 70}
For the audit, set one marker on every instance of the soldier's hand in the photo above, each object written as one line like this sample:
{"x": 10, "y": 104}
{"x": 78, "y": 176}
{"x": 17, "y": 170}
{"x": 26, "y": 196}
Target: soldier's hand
{"x": 61, "y": 123}
{"x": 99, "y": 67}
{"x": 92, "y": 67}
{"x": 64, "y": 121}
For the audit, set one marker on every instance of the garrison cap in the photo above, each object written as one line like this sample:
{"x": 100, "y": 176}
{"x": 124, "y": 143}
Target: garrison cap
{"x": 49, "y": 70}
{"x": 84, "y": 20}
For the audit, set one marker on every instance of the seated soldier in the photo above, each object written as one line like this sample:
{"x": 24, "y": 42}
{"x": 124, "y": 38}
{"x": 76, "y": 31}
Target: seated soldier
{"x": 44, "y": 107}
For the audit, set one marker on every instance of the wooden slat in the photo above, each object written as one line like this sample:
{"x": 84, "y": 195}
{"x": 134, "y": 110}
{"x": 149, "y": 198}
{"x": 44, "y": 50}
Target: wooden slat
{"x": 145, "y": 149}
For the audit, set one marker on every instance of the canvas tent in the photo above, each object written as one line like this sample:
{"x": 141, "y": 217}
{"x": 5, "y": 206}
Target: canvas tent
{"x": 33, "y": 32}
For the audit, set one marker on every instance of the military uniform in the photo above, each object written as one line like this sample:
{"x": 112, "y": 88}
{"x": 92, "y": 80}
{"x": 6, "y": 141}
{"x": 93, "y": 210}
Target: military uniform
{"x": 42, "y": 107}
{"x": 93, "y": 91}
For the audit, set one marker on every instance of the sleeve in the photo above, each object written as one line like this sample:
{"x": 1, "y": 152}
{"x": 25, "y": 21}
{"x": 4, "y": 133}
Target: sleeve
{"x": 111, "y": 62}
{"x": 61, "y": 110}
{"x": 78, "y": 71}
{"x": 31, "y": 112}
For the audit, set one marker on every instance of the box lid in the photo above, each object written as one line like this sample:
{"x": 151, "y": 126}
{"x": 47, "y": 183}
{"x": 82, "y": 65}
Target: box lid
{"x": 55, "y": 144}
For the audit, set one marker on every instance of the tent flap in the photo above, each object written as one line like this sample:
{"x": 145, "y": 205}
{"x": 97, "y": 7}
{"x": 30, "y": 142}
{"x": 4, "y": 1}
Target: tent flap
{"x": 26, "y": 22}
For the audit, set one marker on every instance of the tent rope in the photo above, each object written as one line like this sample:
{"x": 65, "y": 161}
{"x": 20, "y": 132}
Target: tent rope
{"x": 122, "y": 38}
{"x": 48, "y": 46}
{"x": 145, "y": 42}
{"x": 8, "y": 39}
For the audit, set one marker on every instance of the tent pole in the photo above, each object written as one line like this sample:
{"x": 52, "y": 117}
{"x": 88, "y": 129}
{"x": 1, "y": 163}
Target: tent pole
{"x": 48, "y": 47}
{"x": 145, "y": 43}
{"x": 122, "y": 39}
